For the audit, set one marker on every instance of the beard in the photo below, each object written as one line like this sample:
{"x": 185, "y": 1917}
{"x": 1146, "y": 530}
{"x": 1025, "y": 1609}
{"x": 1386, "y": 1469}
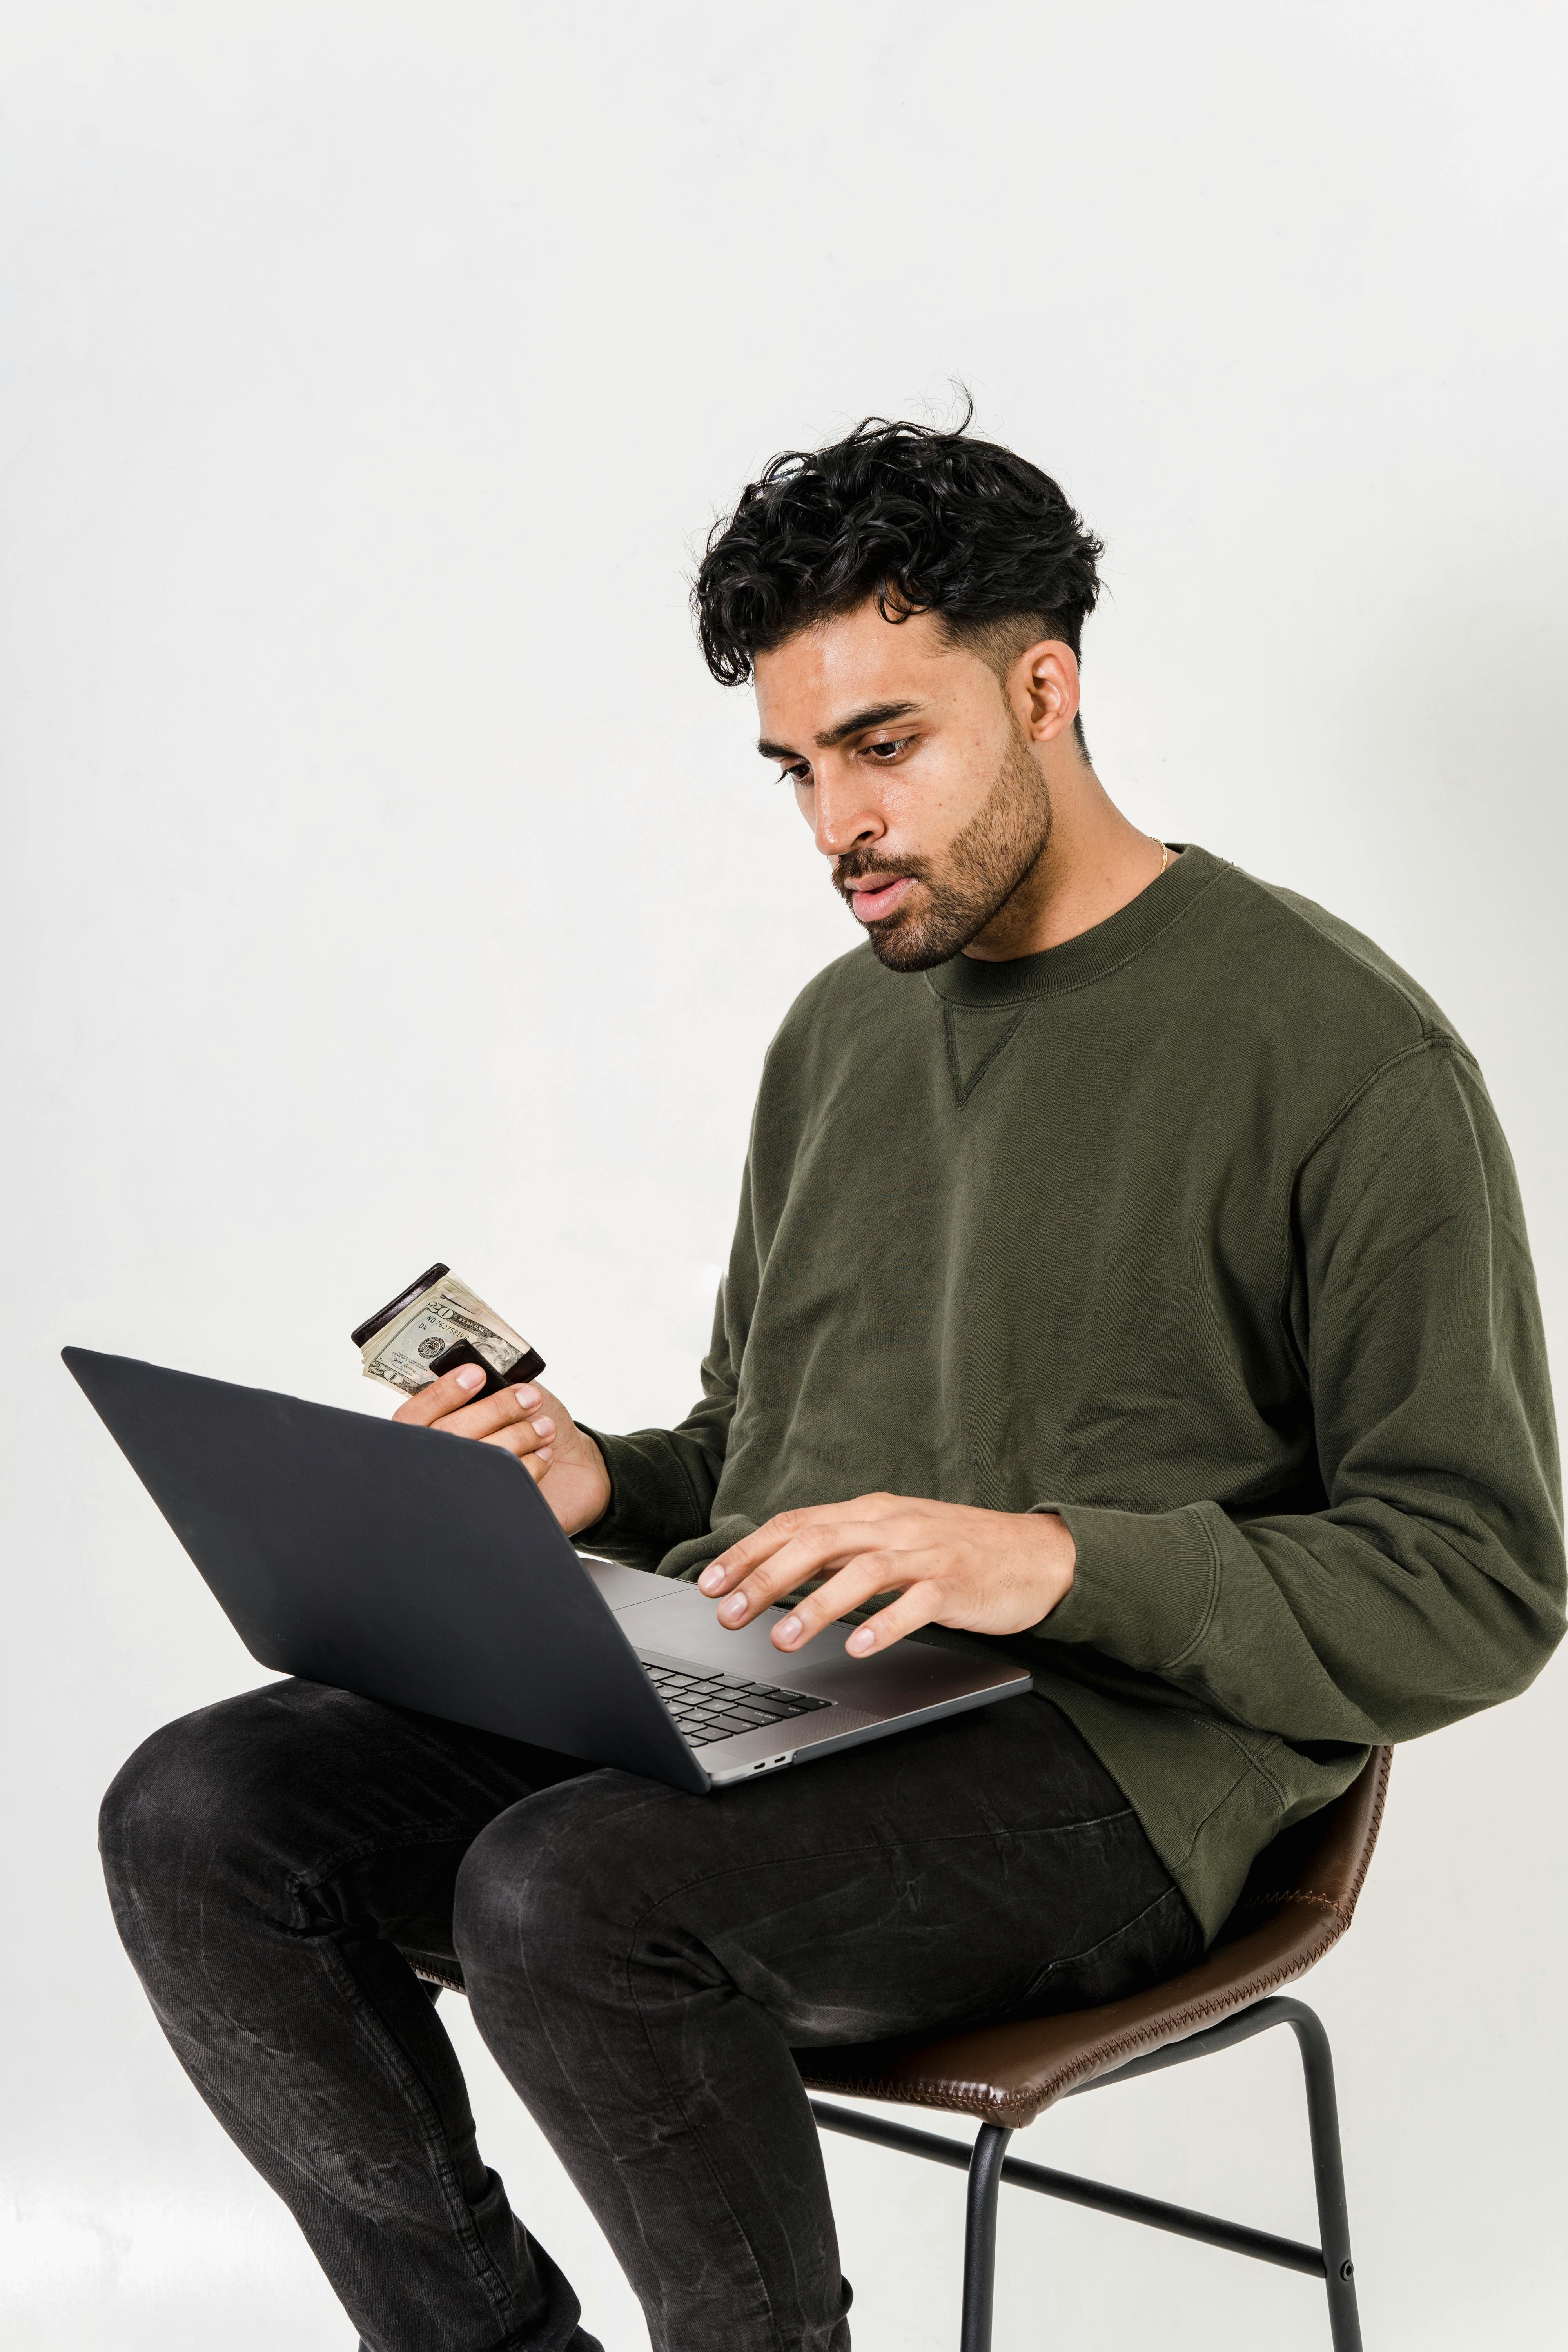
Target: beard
{"x": 1001, "y": 844}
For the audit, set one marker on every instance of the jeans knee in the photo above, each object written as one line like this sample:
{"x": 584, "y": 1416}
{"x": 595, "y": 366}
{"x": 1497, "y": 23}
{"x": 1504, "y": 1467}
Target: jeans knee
{"x": 178, "y": 1811}
{"x": 550, "y": 1885}
{"x": 497, "y": 1896}
{"x": 160, "y": 1807}
{"x": 145, "y": 1817}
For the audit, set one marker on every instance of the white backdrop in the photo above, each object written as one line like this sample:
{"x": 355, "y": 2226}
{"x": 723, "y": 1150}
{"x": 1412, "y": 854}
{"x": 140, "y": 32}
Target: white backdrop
{"x": 391, "y": 882}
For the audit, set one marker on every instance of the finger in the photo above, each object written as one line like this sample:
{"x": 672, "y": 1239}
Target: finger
{"x": 923, "y": 1604}
{"x": 872, "y": 1572}
{"x": 813, "y": 1553}
{"x": 506, "y": 1409}
{"x": 753, "y": 1549}
{"x": 442, "y": 1397}
{"x": 805, "y": 1555}
{"x": 740, "y": 1559}
{"x": 535, "y": 1454}
{"x": 520, "y": 1432}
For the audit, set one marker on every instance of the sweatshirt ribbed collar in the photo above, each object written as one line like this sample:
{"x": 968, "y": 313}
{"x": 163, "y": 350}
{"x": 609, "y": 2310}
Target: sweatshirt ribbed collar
{"x": 1094, "y": 954}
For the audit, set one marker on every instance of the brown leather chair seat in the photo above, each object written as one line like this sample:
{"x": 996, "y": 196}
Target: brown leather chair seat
{"x": 1299, "y": 1898}
{"x": 1297, "y": 1902}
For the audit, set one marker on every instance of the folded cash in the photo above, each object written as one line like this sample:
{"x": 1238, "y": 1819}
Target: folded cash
{"x": 436, "y": 1318}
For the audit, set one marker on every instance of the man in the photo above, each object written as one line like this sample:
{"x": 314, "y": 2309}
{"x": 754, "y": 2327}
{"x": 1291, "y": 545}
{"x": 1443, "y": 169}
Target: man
{"x": 1130, "y": 1274}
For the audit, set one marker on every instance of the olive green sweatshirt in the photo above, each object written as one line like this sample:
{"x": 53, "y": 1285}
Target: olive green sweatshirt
{"x": 1200, "y": 1230}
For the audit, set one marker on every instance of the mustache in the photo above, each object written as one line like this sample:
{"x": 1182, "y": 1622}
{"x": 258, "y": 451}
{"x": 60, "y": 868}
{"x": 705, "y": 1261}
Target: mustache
{"x": 857, "y": 864}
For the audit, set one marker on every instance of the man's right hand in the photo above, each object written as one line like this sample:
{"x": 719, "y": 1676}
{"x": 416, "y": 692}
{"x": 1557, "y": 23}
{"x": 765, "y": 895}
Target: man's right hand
{"x": 563, "y": 1460}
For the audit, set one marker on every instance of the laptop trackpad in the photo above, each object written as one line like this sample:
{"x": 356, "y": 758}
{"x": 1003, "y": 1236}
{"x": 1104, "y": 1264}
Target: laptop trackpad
{"x": 682, "y": 1618}
{"x": 622, "y": 1588}
{"x": 683, "y": 1624}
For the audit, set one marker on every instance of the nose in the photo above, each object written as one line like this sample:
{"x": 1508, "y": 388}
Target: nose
{"x": 844, "y": 816}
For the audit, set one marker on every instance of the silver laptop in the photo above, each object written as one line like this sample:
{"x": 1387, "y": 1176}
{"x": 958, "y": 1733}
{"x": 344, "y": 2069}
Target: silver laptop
{"x": 428, "y": 1572}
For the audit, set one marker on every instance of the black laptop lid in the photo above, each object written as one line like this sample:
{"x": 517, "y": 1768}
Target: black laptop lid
{"x": 419, "y": 1569}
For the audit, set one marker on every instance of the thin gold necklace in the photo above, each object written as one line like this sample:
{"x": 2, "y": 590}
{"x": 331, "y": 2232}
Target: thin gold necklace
{"x": 1165, "y": 857}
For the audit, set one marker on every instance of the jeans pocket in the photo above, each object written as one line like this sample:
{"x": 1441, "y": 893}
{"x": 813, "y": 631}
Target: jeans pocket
{"x": 1159, "y": 1943}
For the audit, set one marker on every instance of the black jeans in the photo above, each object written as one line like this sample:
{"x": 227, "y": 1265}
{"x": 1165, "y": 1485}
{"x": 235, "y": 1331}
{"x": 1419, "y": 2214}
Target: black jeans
{"x": 642, "y": 1962}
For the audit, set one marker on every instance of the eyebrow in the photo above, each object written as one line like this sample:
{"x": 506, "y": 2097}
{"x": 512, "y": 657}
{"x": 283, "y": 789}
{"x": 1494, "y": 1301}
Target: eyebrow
{"x": 875, "y": 714}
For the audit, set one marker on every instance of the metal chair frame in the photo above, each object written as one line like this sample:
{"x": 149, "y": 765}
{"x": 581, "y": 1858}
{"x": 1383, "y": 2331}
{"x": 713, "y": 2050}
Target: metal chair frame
{"x": 988, "y": 2165}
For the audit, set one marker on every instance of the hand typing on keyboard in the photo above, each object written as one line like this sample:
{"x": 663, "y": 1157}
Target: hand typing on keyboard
{"x": 945, "y": 1563}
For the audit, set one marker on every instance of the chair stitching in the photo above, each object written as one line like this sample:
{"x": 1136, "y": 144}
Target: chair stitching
{"x": 1028, "y": 2104}
{"x": 1380, "y": 1798}
{"x": 1261, "y": 1902}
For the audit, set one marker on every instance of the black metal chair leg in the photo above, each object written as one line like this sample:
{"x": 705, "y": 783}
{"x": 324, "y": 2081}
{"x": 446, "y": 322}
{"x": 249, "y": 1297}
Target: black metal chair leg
{"x": 1328, "y": 2174}
{"x": 980, "y": 2238}
{"x": 988, "y": 2165}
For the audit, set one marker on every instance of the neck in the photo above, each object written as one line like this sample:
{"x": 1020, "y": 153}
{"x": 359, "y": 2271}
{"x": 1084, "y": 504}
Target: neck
{"x": 1095, "y": 862}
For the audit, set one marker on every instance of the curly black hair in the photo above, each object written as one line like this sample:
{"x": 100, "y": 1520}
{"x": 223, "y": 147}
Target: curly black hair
{"x": 923, "y": 522}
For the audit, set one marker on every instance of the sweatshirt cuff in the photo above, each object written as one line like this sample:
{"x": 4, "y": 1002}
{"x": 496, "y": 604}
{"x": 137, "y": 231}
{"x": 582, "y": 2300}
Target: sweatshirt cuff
{"x": 652, "y": 1506}
{"x": 1145, "y": 1583}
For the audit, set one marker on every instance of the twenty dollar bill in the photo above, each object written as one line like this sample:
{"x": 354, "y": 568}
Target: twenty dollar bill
{"x": 442, "y": 1316}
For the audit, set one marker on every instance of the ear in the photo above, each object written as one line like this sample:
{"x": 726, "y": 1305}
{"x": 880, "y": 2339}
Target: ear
{"x": 1042, "y": 687}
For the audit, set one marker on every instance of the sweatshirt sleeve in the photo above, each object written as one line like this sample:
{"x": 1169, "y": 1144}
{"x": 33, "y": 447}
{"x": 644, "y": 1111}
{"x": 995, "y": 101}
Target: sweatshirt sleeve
{"x": 1432, "y": 1585}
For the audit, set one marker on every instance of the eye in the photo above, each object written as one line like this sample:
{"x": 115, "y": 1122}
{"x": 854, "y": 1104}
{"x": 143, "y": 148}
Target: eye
{"x": 882, "y": 755}
{"x": 797, "y": 774}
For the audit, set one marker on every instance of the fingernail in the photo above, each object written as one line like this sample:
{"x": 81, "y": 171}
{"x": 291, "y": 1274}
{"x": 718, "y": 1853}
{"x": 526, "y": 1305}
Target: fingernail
{"x": 526, "y": 1397}
{"x": 543, "y": 1452}
{"x": 733, "y": 1609}
{"x": 861, "y": 1640}
{"x": 543, "y": 1427}
{"x": 790, "y": 1630}
{"x": 711, "y": 1580}
{"x": 471, "y": 1377}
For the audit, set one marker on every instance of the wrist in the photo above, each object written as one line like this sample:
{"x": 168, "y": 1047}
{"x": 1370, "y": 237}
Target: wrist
{"x": 587, "y": 1465}
{"x": 1058, "y": 1553}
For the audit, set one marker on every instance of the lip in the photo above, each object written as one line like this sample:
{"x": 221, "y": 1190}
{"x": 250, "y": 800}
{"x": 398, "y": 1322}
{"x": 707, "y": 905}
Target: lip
{"x": 872, "y": 901}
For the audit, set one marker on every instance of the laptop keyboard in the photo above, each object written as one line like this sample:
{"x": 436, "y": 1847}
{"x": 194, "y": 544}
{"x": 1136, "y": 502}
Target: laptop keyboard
{"x": 707, "y": 1706}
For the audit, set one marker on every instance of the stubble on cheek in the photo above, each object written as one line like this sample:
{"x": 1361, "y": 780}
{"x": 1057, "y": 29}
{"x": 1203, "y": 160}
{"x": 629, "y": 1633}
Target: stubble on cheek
{"x": 953, "y": 902}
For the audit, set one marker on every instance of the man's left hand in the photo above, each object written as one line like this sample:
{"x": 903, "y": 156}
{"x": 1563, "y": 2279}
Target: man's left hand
{"x": 984, "y": 1571}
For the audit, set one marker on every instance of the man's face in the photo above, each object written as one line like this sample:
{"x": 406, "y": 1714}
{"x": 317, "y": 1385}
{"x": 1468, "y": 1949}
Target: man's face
{"x": 912, "y": 763}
